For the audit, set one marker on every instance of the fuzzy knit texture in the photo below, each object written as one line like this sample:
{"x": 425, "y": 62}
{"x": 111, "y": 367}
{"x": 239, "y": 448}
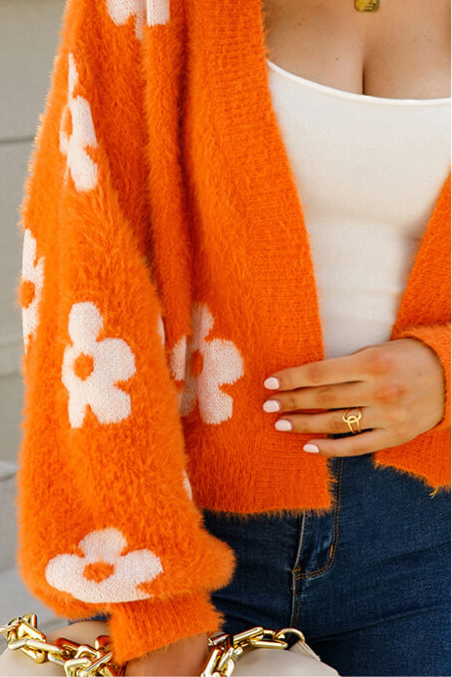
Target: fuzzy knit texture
{"x": 166, "y": 273}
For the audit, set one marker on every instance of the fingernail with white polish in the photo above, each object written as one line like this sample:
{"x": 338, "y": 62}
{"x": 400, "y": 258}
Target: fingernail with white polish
{"x": 311, "y": 448}
{"x": 283, "y": 424}
{"x": 271, "y": 405}
{"x": 272, "y": 383}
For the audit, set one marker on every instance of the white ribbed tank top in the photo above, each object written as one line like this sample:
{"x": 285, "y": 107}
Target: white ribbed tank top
{"x": 369, "y": 171}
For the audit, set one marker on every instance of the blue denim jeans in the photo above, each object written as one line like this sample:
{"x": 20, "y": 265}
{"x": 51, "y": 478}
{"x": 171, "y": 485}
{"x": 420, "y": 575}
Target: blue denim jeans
{"x": 368, "y": 583}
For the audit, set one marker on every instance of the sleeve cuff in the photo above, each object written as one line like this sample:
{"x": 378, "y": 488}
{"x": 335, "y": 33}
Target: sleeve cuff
{"x": 438, "y": 338}
{"x": 142, "y": 626}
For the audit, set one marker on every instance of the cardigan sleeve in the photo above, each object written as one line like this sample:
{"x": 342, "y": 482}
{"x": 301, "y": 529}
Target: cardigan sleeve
{"x": 106, "y": 516}
{"x": 438, "y": 338}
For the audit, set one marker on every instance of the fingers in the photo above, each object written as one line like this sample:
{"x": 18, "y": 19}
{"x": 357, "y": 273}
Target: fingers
{"x": 355, "y": 445}
{"x": 336, "y": 396}
{"x": 329, "y": 422}
{"x": 355, "y": 367}
{"x": 371, "y": 438}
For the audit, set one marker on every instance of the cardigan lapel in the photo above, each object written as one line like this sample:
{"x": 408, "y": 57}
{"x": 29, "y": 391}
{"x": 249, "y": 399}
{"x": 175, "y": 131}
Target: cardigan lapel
{"x": 234, "y": 51}
{"x": 278, "y": 259}
{"x": 432, "y": 263}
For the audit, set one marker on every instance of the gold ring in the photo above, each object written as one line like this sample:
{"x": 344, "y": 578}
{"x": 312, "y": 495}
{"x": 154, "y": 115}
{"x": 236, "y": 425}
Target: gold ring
{"x": 350, "y": 419}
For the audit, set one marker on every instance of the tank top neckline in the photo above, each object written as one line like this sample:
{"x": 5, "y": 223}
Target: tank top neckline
{"x": 365, "y": 98}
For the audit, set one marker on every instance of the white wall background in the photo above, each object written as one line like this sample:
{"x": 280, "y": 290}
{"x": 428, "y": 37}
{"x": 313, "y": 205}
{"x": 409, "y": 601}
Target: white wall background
{"x": 29, "y": 35}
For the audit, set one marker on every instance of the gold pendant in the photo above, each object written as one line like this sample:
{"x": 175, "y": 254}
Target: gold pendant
{"x": 367, "y": 5}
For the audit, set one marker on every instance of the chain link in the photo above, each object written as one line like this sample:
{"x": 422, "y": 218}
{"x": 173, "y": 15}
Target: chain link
{"x": 77, "y": 660}
{"x": 82, "y": 660}
{"x": 226, "y": 649}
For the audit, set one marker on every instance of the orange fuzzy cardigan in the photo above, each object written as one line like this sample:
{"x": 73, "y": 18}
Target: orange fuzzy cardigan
{"x": 166, "y": 273}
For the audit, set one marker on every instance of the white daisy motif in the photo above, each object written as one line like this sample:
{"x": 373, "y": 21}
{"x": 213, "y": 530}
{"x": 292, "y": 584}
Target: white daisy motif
{"x": 178, "y": 360}
{"x": 31, "y": 286}
{"x": 77, "y": 116}
{"x": 91, "y": 368}
{"x": 157, "y": 12}
{"x": 205, "y": 366}
{"x": 151, "y": 12}
{"x": 103, "y": 574}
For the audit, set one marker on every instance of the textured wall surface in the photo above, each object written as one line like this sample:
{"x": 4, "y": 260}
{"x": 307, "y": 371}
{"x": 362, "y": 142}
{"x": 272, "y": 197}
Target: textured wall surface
{"x": 28, "y": 40}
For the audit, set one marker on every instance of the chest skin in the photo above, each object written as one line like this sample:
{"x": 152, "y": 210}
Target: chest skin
{"x": 400, "y": 51}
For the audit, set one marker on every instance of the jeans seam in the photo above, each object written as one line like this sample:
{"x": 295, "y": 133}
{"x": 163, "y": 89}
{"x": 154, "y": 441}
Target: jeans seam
{"x": 295, "y": 613}
{"x": 297, "y": 606}
{"x": 300, "y": 545}
{"x": 335, "y": 539}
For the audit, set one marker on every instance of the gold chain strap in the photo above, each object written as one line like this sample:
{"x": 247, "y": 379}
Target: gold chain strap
{"x": 82, "y": 660}
{"x": 226, "y": 649}
{"x": 77, "y": 660}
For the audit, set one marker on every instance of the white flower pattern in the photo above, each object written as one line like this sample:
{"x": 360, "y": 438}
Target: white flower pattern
{"x": 32, "y": 283}
{"x": 205, "y": 366}
{"x": 91, "y": 368}
{"x": 153, "y": 12}
{"x": 157, "y": 12}
{"x": 82, "y": 167}
{"x": 103, "y": 574}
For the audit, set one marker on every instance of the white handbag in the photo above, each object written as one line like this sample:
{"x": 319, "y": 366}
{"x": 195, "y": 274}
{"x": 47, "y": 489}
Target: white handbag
{"x": 81, "y": 650}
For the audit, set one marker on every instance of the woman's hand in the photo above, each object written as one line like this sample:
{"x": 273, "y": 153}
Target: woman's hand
{"x": 399, "y": 386}
{"x": 184, "y": 657}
